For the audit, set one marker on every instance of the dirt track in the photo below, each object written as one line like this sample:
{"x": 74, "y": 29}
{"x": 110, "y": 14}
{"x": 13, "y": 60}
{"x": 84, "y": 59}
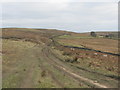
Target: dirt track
{"x": 59, "y": 65}
{"x": 47, "y": 55}
{"x": 40, "y": 63}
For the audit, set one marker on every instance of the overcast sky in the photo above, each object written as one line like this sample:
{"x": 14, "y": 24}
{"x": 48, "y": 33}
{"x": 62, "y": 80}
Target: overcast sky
{"x": 71, "y": 16}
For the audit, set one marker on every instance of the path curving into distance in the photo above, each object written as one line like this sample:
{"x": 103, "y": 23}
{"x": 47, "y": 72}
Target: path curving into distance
{"x": 60, "y": 65}
{"x": 43, "y": 58}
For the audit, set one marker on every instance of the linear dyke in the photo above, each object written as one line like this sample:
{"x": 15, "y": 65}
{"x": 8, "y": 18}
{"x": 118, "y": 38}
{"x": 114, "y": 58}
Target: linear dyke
{"x": 92, "y": 50}
{"x": 55, "y": 42}
{"x": 84, "y": 48}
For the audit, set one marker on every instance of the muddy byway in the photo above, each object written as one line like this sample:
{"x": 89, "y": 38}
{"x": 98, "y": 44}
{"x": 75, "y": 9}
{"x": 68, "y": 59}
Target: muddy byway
{"x": 61, "y": 66}
{"x": 26, "y": 66}
{"x": 40, "y": 67}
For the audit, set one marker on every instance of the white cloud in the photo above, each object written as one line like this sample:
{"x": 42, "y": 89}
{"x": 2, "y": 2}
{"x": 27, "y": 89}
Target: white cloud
{"x": 59, "y": 1}
{"x": 74, "y": 16}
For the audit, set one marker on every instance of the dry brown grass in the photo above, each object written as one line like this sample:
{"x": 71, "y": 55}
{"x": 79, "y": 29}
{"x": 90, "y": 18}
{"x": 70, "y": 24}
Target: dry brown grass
{"x": 27, "y": 35}
{"x": 106, "y": 45}
{"x": 91, "y": 59}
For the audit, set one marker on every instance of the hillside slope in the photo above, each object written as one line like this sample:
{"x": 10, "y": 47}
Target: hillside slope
{"x": 31, "y": 58}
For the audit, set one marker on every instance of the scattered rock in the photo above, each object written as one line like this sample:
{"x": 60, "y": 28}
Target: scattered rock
{"x": 72, "y": 49}
{"x": 95, "y": 81}
{"x": 104, "y": 55}
{"x": 95, "y": 53}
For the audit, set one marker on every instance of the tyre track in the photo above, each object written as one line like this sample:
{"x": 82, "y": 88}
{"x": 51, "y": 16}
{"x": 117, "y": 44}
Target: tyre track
{"x": 43, "y": 67}
{"x": 57, "y": 65}
{"x": 55, "y": 62}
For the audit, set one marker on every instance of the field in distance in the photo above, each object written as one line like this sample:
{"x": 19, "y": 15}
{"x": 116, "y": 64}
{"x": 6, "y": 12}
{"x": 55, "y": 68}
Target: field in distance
{"x": 97, "y": 43}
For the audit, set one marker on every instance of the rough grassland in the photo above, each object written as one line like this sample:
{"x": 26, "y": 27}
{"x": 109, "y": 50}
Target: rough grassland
{"x": 25, "y": 66}
{"x": 33, "y": 58}
{"x": 102, "y": 44}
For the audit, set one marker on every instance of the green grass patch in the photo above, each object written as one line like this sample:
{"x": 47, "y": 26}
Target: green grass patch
{"x": 74, "y": 37}
{"x": 69, "y": 44}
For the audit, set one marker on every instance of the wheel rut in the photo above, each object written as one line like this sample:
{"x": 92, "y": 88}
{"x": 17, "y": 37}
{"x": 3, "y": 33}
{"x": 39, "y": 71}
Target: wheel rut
{"x": 69, "y": 72}
{"x": 43, "y": 67}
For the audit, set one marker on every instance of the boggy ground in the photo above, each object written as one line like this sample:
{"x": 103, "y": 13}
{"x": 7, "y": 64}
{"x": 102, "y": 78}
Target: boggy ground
{"x": 32, "y": 62}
